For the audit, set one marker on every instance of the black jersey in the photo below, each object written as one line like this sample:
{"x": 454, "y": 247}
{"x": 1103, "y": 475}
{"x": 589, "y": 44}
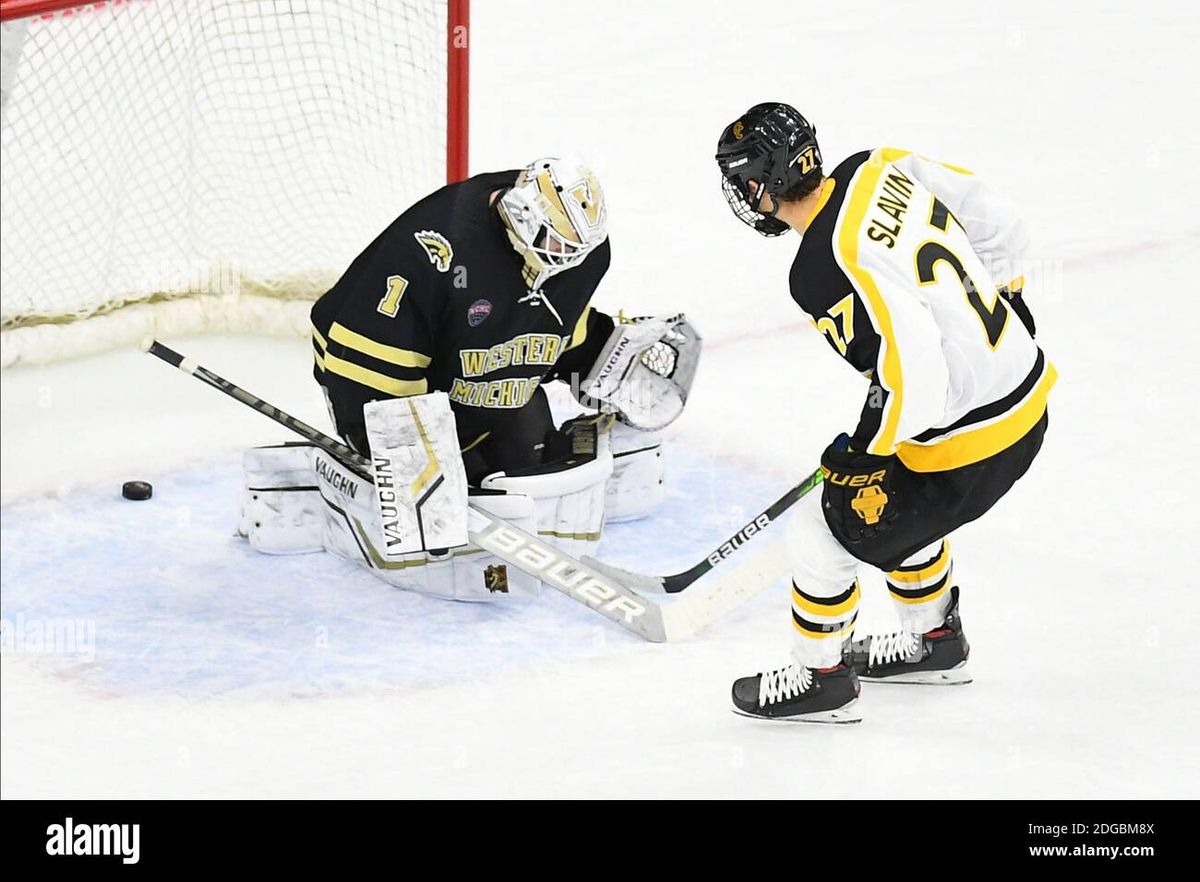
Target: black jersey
{"x": 438, "y": 303}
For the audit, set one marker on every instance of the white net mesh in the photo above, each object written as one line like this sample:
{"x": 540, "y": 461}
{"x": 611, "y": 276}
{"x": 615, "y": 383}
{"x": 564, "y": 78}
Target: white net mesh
{"x": 177, "y": 165}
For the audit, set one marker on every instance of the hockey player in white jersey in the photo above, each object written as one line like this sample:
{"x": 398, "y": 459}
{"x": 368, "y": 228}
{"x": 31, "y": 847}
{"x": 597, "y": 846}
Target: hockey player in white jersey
{"x": 911, "y": 270}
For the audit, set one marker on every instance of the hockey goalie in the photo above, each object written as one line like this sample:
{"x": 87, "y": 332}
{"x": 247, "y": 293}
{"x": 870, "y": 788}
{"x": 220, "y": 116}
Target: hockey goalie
{"x": 432, "y": 351}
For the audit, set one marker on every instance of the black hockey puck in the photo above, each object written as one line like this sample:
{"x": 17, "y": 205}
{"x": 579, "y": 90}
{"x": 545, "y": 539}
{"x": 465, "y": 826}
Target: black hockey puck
{"x": 136, "y": 490}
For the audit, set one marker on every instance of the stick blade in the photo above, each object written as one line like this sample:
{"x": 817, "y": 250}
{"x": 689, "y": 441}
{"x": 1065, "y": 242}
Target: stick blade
{"x": 637, "y": 581}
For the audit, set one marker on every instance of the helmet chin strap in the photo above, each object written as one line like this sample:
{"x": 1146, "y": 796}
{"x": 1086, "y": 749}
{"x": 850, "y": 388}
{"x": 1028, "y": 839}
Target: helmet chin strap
{"x": 759, "y": 193}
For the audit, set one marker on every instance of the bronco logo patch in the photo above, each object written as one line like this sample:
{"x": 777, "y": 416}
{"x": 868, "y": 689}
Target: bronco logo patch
{"x": 437, "y": 247}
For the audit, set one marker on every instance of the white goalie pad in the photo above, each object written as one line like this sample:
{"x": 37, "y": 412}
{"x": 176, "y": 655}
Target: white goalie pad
{"x": 636, "y": 487}
{"x": 646, "y": 370}
{"x": 351, "y": 531}
{"x": 282, "y": 511}
{"x": 568, "y": 499}
{"x": 420, "y": 482}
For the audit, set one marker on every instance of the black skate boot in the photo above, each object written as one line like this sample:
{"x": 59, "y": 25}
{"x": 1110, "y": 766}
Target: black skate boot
{"x": 797, "y": 694}
{"x": 937, "y": 657}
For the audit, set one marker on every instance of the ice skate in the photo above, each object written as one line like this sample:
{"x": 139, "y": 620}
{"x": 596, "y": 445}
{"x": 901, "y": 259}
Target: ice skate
{"x": 937, "y": 657}
{"x": 797, "y": 694}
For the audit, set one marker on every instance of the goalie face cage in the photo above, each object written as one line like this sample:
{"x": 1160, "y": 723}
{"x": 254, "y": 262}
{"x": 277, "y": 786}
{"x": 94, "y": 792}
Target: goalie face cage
{"x": 179, "y": 166}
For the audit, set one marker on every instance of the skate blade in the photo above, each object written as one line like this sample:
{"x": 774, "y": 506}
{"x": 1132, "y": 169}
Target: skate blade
{"x": 957, "y": 676}
{"x": 839, "y": 716}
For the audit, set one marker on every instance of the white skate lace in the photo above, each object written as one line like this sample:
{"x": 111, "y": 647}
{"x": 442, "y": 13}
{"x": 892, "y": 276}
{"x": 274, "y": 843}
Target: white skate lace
{"x": 782, "y": 684}
{"x": 897, "y": 646}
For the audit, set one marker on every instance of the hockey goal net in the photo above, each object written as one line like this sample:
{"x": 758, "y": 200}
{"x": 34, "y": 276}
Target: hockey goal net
{"x": 178, "y": 166}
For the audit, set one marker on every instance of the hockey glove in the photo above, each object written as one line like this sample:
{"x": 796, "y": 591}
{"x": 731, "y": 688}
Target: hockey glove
{"x": 858, "y": 499}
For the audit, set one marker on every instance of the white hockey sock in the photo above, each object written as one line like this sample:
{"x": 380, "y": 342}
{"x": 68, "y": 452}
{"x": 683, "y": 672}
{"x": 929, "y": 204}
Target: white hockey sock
{"x": 920, "y": 587}
{"x": 822, "y": 625}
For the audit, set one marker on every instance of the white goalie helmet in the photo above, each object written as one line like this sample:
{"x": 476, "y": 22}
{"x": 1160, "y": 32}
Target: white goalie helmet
{"x": 555, "y": 216}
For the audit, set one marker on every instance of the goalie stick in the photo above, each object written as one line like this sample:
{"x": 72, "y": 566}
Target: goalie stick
{"x": 584, "y": 582}
{"x": 677, "y": 582}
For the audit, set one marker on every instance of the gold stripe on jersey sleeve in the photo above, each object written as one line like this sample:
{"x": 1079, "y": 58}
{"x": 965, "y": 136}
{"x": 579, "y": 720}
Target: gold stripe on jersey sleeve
{"x": 580, "y": 332}
{"x": 392, "y": 354}
{"x": 319, "y": 348}
{"x": 978, "y": 444}
{"x": 859, "y": 200}
{"x": 374, "y": 379}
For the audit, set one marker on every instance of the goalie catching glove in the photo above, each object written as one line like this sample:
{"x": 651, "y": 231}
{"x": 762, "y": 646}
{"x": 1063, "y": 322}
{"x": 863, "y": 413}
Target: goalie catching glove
{"x": 645, "y": 370}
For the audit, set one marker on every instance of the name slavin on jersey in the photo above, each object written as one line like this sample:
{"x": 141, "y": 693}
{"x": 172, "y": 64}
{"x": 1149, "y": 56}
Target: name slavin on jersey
{"x": 894, "y": 202}
{"x": 339, "y": 482}
{"x": 510, "y": 393}
{"x": 540, "y": 349}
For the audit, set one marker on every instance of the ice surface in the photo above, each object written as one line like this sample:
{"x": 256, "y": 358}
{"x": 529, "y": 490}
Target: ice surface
{"x": 180, "y": 605}
{"x": 212, "y": 674}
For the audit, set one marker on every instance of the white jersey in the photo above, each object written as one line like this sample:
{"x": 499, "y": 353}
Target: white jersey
{"x": 900, "y": 267}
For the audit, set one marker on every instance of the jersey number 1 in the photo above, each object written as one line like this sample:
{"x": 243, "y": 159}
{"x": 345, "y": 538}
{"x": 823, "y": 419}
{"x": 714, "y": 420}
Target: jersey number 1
{"x": 390, "y": 304}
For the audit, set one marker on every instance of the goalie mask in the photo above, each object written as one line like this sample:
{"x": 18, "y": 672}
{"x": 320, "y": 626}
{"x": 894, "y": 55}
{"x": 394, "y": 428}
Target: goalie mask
{"x": 555, "y": 216}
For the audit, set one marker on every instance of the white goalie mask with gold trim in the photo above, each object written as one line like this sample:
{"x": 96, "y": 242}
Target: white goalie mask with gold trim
{"x": 555, "y": 216}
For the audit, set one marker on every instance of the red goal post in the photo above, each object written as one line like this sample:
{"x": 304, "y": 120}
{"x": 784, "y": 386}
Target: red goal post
{"x": 182, "y": 166}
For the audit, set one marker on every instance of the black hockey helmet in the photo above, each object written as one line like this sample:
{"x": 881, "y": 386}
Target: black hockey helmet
{"x": 773, "y": 145}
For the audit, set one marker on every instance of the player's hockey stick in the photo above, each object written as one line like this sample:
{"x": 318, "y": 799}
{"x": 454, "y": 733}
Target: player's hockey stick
{"x": 605, "y": 593}
{"x": 677, "y": 582}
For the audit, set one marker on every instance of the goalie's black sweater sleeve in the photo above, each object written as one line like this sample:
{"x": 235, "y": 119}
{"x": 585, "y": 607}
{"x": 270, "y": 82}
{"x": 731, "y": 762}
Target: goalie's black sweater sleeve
{"x": 438, "y": 302}
{"x": 576, "y": 362}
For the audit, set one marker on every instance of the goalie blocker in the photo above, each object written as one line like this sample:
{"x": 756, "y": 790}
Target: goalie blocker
{"x": 410, "y": 527}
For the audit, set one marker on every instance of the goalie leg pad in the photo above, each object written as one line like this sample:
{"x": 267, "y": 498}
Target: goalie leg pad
{"x": 464, "y": 572}
{"x": 420, "y": 482}
{"x": 636, "y": 487}
{"x": 282, "y": 511}
{"x": 568, "y": 498}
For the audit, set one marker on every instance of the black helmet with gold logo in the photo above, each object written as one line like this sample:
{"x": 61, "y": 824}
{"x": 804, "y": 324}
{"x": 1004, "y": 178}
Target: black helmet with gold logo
{"x": 774, "y": 146}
